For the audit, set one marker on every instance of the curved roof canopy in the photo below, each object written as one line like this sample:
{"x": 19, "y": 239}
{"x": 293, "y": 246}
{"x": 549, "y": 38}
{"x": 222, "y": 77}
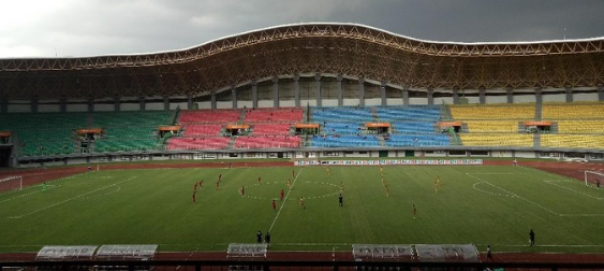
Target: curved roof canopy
{"x": 348, "y": 49}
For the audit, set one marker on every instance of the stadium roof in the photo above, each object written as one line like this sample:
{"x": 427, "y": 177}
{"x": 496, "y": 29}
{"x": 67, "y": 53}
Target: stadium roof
{"x": 335, "y": 48}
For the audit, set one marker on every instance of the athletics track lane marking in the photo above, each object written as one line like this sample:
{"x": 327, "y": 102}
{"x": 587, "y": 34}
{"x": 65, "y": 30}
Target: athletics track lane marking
{"x": 285, "y": 200}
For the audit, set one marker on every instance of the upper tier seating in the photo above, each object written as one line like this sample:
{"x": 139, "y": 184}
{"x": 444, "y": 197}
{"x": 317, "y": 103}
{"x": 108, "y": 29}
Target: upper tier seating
{"x": 581, "y": 126}
{"x": 427, "y": 113}
{"x": 573, "y": 111}
{"x": 572, "y": 141}
{"x": 492, "y": 126}
{"x": 267, "y": 142}
{"x": 340, "y": 114}
{"x": 341, "y": 128}
{"x": 271, "y": 129}
{"x": 187, "y": 143}
{"x": 202, "y": 130}
{"x": 288, "y": 115}
{"x": 471, "y": 112}
{"x": 208, "y": 116}
{"x": 344, "y": 141}
{"x": 413, "y": 127}
{"x": 417, "y": 140}
{"x": 496, "y": 140}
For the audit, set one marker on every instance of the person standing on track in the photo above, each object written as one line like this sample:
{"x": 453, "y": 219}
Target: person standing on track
{"x": 532, "y": 237}
{"x": 489, "y": 255}
{"x": 259, "y": 237}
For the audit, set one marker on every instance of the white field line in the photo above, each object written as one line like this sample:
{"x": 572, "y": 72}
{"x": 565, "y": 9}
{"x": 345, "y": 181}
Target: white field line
{"x": 70, "y": 199}
{"x": 572, "y": 190}
{"x": 285, "y": 200}
{"x": 514, "y": 195}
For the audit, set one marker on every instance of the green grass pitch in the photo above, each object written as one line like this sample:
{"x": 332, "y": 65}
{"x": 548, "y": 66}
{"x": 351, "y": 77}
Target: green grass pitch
{"x": 495, "y": 205}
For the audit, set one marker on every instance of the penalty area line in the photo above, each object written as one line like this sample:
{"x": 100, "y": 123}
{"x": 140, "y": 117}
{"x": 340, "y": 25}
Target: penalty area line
{"x": 284, "y": 200}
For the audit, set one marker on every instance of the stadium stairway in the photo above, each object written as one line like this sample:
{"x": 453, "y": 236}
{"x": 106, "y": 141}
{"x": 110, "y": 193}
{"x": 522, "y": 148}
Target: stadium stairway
{"x": 375, "y": 115}
{"x": 538, "y": 111}
{"x": 232, "y": 142}
{"x": 554, "y": 128}
{"x": 381, "y": 140}
{"x": 536, "y": 140}
{"x": 445, "y": 113}
{"x": 521, "y": 127}
{"x": 242, "y": 116}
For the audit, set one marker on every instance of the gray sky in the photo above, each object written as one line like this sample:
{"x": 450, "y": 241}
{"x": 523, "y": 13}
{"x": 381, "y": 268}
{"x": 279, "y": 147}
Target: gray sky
{"x": 75, "y": 28}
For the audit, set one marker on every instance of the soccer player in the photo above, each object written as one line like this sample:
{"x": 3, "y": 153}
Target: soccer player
{"x": 274, "y": 205}
{"x": 282, "y": 194}
{"x": 327, "y": 170}
{"x": 436, "y": 184}
{"x": 194, "y": 192}
{"x": 217, "y": 185}
{"x": 414, "y": 211}
{"x": 195, "y": 187}
{"x": 302, "y": 203}
{"x": 267, "y": 238}
{"x": 200, "y": 183}
{"x": 259, "y": 180}
{"x": 341, "y": 187}
{"x": 293, "y": 174}
{"x": 289, "y": 184}
{"x": 387, "y": 190}
{"x": 515, "y": 163}
{"x": 597, "y": 183}
{"x": 383, "y": 182}
{"x": 341, "y": 200}
{"x": 532, "y": 237}
{"x": 242, "y": 190}
{"x": 220, "y": 177}
{"x": 382, "y": 170}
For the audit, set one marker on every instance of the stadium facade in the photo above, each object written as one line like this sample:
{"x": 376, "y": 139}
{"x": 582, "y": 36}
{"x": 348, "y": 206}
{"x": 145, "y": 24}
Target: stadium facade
{"x": 312, "y": 65}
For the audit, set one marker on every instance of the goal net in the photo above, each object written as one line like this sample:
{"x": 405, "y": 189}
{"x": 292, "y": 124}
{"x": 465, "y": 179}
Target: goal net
{"x": 594, "y": 178}
{"x": 11, "y": 183}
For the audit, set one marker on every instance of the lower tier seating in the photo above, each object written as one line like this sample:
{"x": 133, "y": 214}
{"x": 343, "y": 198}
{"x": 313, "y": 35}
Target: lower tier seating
{"x": 345, "y": 141}
{"x": 499, "y": 139}
{"x": 187, "y": 143}
{"x": 573, "y": 141}
{"x": 260, "y": 142}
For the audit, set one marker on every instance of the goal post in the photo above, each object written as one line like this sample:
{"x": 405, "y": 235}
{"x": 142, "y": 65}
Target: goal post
{"x": 594, "y": 178}
{"x": 11, "y": 183}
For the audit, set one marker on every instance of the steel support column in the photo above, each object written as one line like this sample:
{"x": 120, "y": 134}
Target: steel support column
{"x": 142, "y": 104}
{"x": 34, "y": 105}
{"x": 569, "y": 93}
{"x": 340, "y": 95}
{"x": 297, "y": 89}
{"x": 482, "y": 97}
{"x": 213, "y": 99}
{"x": 430, "y": 95}
{"x": 276, "y": 91}
{"x": 319, "y": 94}
{"x": 510, "y": 94}
{"x": 383, "y": 92}
{"x": 3, "y": 105}
{"x": 234, "y": 96}
{"x": 405, "y": 95}
{"x": 538, "y": 95}
{"x": 254, "y": 94}
{"x": 63, "y": 105}
{"x": 361, "y": 91}
{"x": 455, "y": 95}
{"x": 600, "y": 93}
{"x": 116, "y": 103}
{"x": 166, "y": 103}
{"x": 190, "y": 102}
{"x": 91, "y": 105}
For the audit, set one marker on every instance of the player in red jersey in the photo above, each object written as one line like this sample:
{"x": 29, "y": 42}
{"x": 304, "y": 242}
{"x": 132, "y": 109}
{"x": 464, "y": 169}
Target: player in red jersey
{"x": 274, "y": 205}
{"x": 282, "y": 194}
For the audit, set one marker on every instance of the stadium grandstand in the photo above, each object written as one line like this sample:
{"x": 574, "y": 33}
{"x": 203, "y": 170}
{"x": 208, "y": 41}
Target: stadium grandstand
{"x": 307, "y": 90}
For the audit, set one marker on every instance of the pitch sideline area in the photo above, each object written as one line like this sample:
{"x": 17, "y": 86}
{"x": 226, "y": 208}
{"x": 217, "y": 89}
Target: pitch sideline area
{"x": 561, "y": 184}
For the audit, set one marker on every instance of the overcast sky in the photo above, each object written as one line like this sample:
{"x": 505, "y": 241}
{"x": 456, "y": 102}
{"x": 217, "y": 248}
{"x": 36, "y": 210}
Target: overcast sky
{"x": 75, "y": 28}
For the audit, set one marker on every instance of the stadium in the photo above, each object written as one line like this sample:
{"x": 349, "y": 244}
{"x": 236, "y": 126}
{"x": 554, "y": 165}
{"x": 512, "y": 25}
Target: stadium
{"x": 118, "y": 161}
